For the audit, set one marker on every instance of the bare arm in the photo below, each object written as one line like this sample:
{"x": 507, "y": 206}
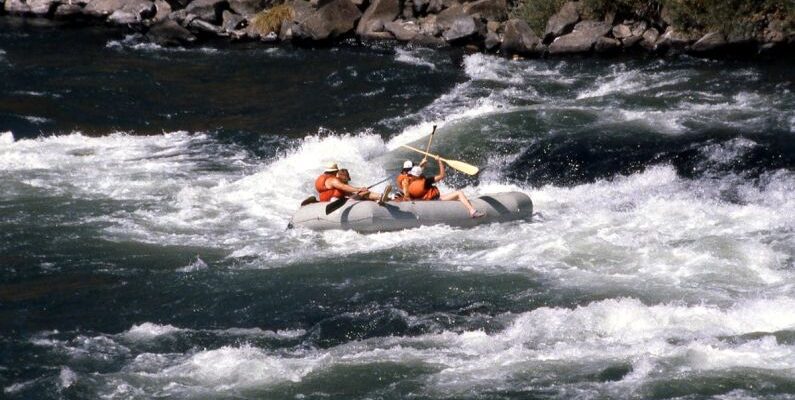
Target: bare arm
{"x": 442, "y": 173}
{"x": 336, "y": 184}
{"x": 405, "y": 189}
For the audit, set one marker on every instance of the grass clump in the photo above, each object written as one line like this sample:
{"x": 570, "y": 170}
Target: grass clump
{"x": 270, "y": 20}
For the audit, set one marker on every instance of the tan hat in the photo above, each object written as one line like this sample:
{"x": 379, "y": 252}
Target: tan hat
{"x": 331, "y": 167}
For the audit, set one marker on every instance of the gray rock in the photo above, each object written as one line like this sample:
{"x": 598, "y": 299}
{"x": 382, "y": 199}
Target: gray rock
{"x": 631, "y": 41}
{"x": 408, "y": 9}
{"x": 420, "y": 6}
{"x": 581, "y": 39}
{"x": 493, "y": 26}
{"x": 376, "y": 16}
{"x": 562, "y": 21}
{"x": 231, "y": 21}
{"x": 16, "y": 7}
{"x": 247, "y": 8}
{"x": 649, "y": 39}
{"x": 133, "y": 12}
{"x": 709, "y": 42}
{"x": 428, "y": 26}
{"x": 163, "y": 9}
{"x": 456, "y": 24}
{"x": 519, "y": 38}
{"x": 774, "y": 32}
{"x": 332, "y": 19}
{"x": 492, "y": 41}
{"x": 673, "y": 38}
{"x": 170, "y": 33}
{"x": 208, "y": 10}
{"x": 622, "y": 31}
{"x": 435, "y": 6}
{"x": 68, "y": 10}
{"x": 639, "y": 27}
{"x": 495, "y": 10}
{"x": 606, "y": 45}
{"x": 201, "y": 25}
{"x": 43, "y": 7}
{"x": 402, "y": 30}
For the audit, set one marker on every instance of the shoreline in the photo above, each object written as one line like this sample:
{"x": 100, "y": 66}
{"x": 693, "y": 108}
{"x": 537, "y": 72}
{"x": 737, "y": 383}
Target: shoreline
{"x": 477, "y": 26}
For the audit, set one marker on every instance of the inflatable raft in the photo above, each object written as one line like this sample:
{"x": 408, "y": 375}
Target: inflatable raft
{"x": 367, "y": 216}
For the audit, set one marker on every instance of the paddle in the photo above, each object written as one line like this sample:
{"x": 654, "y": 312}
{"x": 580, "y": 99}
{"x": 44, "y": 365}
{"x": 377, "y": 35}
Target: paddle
{"x": 427, "y": 149}
{"x": 334, "y": 205}
{"x": 468, "y": 169}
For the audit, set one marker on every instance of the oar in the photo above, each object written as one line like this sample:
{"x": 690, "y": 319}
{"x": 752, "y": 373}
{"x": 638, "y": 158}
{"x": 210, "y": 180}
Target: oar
{"x": 427, "y": 149}
{"x": 334, "y": 205}
{"x": 468, "y": 169}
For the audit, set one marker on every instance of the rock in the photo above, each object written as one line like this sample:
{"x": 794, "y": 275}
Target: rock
{"x": 435, "y": 7}
{"x": 428, "y": 26}
{"x": 622, "y": 31}
{"x": 495, "y": 10}
{"x": 639, "y": 28}
{"x": 231, "y": 21}
{"x": 247, "y": 8}
{"x": 774, "y": 32}
{"x": 673, "y": 38}
{"x": 204, "y": 26}
{"x": 455, "y": 24}
{"x": 492, "y": 41}
{"x": 492, "y": 26}
{"x": 377, "y": 15}
{"x": 519, "y": 38}
{"x": 420, "y": 6}
{"x": 133, "y": 12}
{"x": 581, "y": 39}
{"x": 404, "y": 31}
{"x": 709, "y": 42}
{"x": 43, "y": 7}
{"x": 666, "y": 16}
{"x": 562, "y": 21}
{"x": 16, "y": 7}
{"x": 631, "y": 41}
{"x": 170, "y": 33}
{"x": 67, "y": 11}
{"x": 606, "y": 45}
{"x": 333, "y": 19}
{"x": 162, "y": 10}
{"x": 649, "y": 39}
{"x": 208, "y": 10}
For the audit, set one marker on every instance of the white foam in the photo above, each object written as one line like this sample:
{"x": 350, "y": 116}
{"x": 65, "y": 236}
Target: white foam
{"x": 36, "y": 120}
{"x": 66, "y": 378}
{"x": 413, "y": 57}
{"x": 149, "y": 331}
{"x": 196, "y": 265}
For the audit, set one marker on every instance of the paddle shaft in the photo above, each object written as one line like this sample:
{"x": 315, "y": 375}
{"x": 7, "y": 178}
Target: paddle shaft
{"x": 430, "y": 140}
{"x": 459, "y": 165}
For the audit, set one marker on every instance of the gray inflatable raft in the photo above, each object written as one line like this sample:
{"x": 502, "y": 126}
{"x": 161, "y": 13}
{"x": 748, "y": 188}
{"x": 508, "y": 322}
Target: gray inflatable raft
{"x": 367, "y": 216}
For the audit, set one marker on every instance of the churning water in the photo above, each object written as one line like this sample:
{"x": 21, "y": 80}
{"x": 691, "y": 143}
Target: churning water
{"x": 146, "y": 191}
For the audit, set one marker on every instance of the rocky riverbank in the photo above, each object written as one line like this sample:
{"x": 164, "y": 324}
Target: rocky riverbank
{"x": 485, "y": 25}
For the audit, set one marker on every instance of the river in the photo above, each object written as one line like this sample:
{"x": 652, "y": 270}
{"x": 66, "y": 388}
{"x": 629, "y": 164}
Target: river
{"x": 146, "y": 192}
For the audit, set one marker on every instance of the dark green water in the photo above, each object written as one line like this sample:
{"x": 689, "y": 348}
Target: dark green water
{"x": 144, "y": 194}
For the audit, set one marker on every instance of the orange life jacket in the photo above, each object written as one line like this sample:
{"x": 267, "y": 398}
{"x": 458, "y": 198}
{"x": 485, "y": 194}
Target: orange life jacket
{"x": 325, "y": 193}
{"x": 420, "y": 189}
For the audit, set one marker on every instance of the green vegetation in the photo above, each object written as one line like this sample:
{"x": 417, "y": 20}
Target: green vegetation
{"x": 270, "y": 20}
{"x": 743, "y": 18}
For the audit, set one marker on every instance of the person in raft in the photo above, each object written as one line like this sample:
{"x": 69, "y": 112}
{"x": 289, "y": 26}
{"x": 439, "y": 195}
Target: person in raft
{"x": 403, "y": 175}
{"x": 418, "y": 187}
{"x": 333, "y": 185}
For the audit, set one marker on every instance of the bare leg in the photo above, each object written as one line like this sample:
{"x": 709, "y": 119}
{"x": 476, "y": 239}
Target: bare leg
{"x": 458, "y": 195}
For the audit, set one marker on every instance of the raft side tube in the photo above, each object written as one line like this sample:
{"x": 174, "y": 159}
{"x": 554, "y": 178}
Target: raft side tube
{"x": 368, "y": 217}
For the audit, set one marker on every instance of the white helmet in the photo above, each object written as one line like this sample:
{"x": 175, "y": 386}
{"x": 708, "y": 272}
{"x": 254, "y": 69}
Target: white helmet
{"x": 408, "y": 164}
{"x": 416, "y": 171}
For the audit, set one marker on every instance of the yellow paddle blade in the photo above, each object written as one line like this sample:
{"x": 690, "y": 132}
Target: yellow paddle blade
{"x": 468, "y": 169}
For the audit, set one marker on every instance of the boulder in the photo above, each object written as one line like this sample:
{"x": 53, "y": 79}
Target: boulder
{"x": 492, "y": 41}
{"x": 170, "y": 33}
{"x": 208, "y": 10}
{"x": 674, "y": 39}
{"x": 581, "y": 39}
{"x": 67, "y": 11}
{"x": 622, "y": 31}
{"x": 606, "y": 45}
{"x": 333, "y": 19}
{"x": 162, "y": 10}
{"x": 247, "y": 8}
{"x": 133, "y": 12}
{"x": 43, "y": 7}
{"x": 103, "y": 8}
{"x": 420, "y": 6}
{"x": 649, "y": 39}
{"x": 429, "y": 27}
{"x": 709, "y": 42}
{"x": 519, "y": 38}
{"x": 376, "y": 16}
{"x": 231, "y": 21}
{"x": 493, "y": 10}
{"x": 631, "y": 41}
{"x": 201, "y": 25}
{"x": 774, "y": 31}
{"x": 16, "y": 7}
{"x": 435, "y": 6}
{"x": 404, "y": 31}
{"x": 562, "y": 21}
{"x": 492, "y": 26}
{"x": 455, "y": 23}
